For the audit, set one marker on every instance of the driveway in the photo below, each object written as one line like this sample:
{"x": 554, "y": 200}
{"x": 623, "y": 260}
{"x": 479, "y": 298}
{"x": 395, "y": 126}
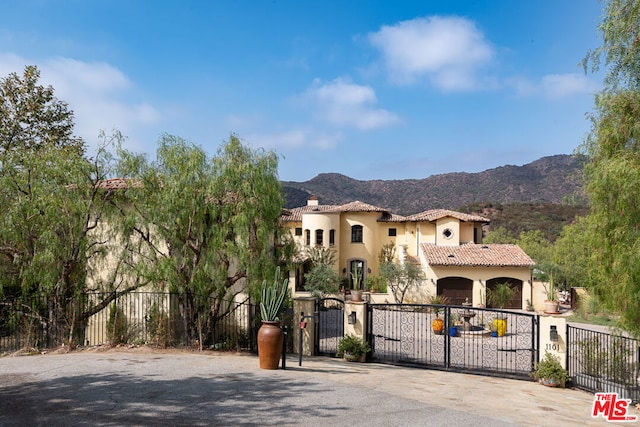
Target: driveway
{"x": 141, "y": 386}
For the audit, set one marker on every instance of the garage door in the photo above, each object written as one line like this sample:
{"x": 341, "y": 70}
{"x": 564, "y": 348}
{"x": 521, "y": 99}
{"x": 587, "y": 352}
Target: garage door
{"x": 457, "y": 289}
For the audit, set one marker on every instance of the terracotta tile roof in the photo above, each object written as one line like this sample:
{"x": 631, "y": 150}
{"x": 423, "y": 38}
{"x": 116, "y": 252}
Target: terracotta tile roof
{"x": 435, "y": 214}
{"x": 471, "y": 254}
{"x": 387, "y": 216}
{"x": 296, "y": 213}
{"x": 391, "y": 217}
{"x": 119, "y": 183}
{"x": 358, "y": 206}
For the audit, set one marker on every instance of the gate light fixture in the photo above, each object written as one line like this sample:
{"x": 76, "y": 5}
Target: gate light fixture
{"x": 351, "y": 319}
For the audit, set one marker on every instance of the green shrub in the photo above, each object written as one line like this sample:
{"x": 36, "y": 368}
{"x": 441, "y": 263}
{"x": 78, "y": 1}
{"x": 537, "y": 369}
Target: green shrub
{"x": 353, "y": 345}
{"x": 158, "y": 327}
{"x": 117, "y": 326}
{"x": 549, "y": 368}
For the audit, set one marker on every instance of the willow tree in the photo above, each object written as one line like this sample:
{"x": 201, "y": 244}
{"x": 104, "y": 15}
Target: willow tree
{"x": 613, "y": 170}
{"x": 206, "y": 225}
{"x": 51, "y": 209}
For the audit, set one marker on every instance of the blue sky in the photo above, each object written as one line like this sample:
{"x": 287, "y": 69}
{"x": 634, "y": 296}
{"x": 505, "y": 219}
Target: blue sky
{"x": 370, "y": 89}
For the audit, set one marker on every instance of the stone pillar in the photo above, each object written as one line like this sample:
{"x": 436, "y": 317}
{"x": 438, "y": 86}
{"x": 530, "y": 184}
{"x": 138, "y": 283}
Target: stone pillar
{"x": 359, "y": 328}
{"x": 306, "y": 306}
{"x": 557, "y": 348}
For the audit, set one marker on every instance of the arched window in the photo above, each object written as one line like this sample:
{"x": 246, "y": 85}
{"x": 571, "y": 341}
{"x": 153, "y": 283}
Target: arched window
{"x": 319, "y": 236}
{"x": 356, "y": 234}
{"x": 307, "y": 237}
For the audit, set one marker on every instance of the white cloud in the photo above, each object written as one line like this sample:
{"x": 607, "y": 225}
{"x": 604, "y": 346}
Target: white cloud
{"x": 98, "y": 93}
{"x": 565, "y": 85}
{"x": 554, "y": 86}
{"x": 294, "y": 139}
{"x": 343, "y": 103}
{"x": 448, "y": 51}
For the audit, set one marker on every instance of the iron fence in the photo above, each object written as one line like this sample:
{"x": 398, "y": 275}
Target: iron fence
{"x": 156, "y": 318}
{"x": 603, "y": 362}
{"x": 474, "y": 340}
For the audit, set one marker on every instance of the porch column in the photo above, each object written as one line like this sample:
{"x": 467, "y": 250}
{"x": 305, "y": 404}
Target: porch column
{"x": 558, "y": 348}
{"x": 359, "y": 328}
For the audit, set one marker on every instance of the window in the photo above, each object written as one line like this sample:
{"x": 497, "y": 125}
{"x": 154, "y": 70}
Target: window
{"x": 307, "y": 237}
{"x": 447, "y": 233}
{"x": 356, "y": 234}
{"x": 298, "y": 231}
{"x": 319, "y": 236}
{"x": 332, "y": 237}
{"x": 392, "y": 232}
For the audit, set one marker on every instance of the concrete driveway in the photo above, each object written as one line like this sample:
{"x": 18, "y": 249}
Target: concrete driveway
{"x": 141, "y": 387}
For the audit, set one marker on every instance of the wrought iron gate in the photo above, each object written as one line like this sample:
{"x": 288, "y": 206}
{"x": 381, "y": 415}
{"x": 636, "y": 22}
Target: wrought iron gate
{"x": 330, "y": 326}
{"x": 403, "y": 334}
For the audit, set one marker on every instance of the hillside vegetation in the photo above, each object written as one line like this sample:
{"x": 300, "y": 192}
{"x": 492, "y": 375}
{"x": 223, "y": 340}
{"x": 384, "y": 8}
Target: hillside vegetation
{"x": 545, "y": 194}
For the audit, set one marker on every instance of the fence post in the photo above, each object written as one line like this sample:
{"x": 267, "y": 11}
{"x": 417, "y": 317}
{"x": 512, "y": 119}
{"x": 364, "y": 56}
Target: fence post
{"x": 306, "y": 306}
{"x": 358, "y": 324}
{"x": 553, "y": 337}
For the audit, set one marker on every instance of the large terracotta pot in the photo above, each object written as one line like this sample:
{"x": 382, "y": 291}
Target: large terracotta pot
{"x": 356, "y": 295}
{"x": 551, "y": 306}
{"x": 270, "y": 338}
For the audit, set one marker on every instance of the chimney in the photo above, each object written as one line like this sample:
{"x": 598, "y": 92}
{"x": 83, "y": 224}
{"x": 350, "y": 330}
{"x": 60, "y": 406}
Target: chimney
{"x": 313, "y": 201}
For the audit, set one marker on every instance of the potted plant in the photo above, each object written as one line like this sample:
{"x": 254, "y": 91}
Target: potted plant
{"x": 353, "y": 348}
{"x": 547, "y": 272}
{"x": 550, "y": 372}
{"x": 356, "y": 293}
{"x": 499, "y": 296}
{"x": 270, "y": 335}
{"x": 454, "y": 318}
{"x": 530, "y": 306}
{"x": 437, "y": 324}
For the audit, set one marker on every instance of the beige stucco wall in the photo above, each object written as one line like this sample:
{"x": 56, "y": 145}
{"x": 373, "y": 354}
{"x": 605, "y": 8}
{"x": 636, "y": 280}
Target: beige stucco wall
{"x": 447, "y": 223}
{"x": 479, "y": 276}
{"x": 371, "y": 242}
{"x": 409, "y": 237}
{"x": 321, "y": 221}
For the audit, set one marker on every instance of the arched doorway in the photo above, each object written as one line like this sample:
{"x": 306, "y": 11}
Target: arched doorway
{"x": 515, "y": 302}
{"x": 457, "y": 289}
{"x": 301, "y": 270}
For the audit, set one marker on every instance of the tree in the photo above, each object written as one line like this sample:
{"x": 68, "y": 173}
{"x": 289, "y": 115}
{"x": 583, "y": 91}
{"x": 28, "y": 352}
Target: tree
{"x": 613, "y": 169}
{"x": 401, "y": 277}
{"x": 31, "y": 117}
{"x": 50, "y": 237}
{"x": 52, "y": 206}
{"x": 500, "y": 235}
{"x": 207, "y": 225}
{"x": 536, "y": 245}
{"x": 321, "y": 279}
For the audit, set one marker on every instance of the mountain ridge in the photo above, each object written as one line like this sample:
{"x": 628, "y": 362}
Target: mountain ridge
{"x": 548, "y": 180}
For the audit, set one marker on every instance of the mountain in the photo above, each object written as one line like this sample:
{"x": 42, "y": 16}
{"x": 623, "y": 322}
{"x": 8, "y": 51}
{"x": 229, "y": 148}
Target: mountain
{"x": 548, "y": 180}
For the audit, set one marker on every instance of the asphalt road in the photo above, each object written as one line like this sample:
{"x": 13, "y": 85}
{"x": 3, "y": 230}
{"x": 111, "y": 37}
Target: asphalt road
{"x": 142, "y": 387}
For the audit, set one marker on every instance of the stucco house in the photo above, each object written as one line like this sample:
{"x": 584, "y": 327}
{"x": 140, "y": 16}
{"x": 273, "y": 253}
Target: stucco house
{"x": 447, "y": 245}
